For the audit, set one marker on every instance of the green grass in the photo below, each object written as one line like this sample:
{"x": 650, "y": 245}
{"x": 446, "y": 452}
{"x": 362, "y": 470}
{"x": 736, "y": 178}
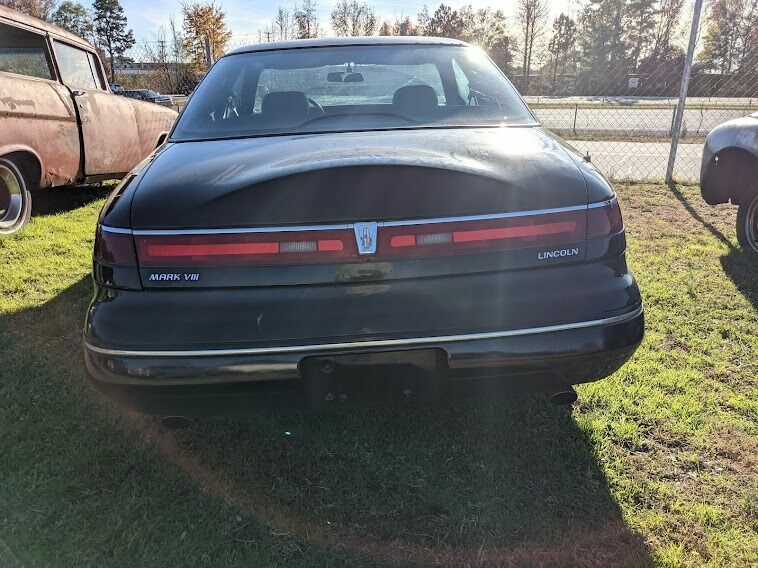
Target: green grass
{"x": 655, "y": 465}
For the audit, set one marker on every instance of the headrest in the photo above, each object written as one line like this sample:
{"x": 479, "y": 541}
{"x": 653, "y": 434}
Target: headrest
{"x": 415, "y": 101}
{"x": 285, "y": 107}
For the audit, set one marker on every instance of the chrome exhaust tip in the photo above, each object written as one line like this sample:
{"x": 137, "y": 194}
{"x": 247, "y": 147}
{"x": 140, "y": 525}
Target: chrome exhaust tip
{"x": 564, "y": 397}
{"x": 176, "y": 422}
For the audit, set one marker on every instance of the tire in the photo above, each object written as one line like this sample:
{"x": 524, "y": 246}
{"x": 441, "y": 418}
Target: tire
{"x": 15, "y": 198}
{"x": 747, "y": 224}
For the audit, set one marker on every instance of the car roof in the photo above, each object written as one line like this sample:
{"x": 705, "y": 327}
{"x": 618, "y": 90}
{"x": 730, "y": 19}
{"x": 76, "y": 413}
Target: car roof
{"x": 346, "y": 41}
{"x": 14, "y": 16}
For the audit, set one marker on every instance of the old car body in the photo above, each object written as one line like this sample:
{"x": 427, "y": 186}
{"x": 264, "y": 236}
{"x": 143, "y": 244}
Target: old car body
{"x": 59, "y": 123}
{"x": 352, "y": 232}
{"x": 729, "y": 173}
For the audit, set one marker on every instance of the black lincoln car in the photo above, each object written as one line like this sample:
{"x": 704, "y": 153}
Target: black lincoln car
{"x": 344, "y": 218}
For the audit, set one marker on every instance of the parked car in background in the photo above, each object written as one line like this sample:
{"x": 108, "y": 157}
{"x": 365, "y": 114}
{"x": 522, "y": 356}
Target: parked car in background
{"x": 148, "y": 95}
{"x": 306, "y": 236}
{"x": 729, "y": 172}
{"x": 59, "y": 123}
{"x": 116, "y": 88}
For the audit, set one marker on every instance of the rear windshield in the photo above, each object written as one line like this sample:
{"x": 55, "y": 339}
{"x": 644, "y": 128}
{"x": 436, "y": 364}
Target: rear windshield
{"x": 331, "y": 89}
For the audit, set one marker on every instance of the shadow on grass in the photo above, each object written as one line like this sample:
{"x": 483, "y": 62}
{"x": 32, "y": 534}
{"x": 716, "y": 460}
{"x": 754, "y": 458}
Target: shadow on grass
{"x": 715, "y": 231}
{"x": 511, "y": 483}
{"x": 51, "y": 201}
{"x": 741, "y": 266}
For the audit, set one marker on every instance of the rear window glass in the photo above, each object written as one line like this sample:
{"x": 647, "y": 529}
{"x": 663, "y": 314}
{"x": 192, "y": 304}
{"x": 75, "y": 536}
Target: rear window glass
{"x": 23, "y": 53}
{"x": 379, "y": 83}
{"x": 330, "y": 89}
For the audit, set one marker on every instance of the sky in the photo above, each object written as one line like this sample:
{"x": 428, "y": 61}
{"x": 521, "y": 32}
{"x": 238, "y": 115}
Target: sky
{"x": 246, "y": 17}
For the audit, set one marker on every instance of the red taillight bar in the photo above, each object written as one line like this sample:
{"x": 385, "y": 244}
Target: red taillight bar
{"x": 335, "y": 244}
{"x": 482, "y": 235}
{"x": 239, "y": 249}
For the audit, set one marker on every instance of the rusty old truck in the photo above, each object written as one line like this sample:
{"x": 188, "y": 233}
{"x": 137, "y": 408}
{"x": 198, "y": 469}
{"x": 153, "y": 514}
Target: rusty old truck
{"x": 59, "y": 122}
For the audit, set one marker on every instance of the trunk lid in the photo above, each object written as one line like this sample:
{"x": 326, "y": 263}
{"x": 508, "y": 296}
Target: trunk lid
{"x": 313, "y": 209}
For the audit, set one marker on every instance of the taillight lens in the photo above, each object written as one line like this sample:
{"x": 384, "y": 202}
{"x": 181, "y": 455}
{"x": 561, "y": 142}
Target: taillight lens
{"x": 605, "y": 220}
{"x": 115, "y": 248}
{"x": 457, "y": 237}
{"x": 238, "y": 249}
{"x": 266, "y": 247}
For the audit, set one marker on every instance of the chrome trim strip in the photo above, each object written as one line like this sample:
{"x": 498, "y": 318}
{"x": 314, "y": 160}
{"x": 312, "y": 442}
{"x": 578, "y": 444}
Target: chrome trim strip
{"x": 351, "y": 226}
{"x": 369, "y": 343}
{"x": 117, "y": 230}
{"x": 282, "y": 229}
{"x": 485, "y": 217}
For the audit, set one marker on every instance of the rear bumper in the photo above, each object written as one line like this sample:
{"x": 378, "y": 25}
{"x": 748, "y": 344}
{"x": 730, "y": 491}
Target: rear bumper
{"x": 220, "y": 381}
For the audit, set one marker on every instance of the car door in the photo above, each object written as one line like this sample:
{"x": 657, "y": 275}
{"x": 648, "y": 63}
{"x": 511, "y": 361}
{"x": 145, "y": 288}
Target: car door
{"x": 36, "y": 114}
{"x": 108, "y": 122}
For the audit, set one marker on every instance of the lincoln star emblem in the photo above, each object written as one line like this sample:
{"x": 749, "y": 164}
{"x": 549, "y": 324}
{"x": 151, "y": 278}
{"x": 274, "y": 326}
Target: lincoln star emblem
{"x": 365, "y": 237}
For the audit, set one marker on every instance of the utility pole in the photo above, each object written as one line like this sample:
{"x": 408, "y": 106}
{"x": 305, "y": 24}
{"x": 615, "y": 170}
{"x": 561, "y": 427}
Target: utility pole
{"x": 677, "y": 130}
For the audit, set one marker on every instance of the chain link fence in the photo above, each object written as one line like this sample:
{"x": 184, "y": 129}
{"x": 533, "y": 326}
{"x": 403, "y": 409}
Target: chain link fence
{"x": 622, "y": 115}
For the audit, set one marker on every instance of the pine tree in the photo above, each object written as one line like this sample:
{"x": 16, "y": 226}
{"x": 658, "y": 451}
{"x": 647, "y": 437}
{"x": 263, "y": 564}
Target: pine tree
{"x": 111, "y": 32}
{"x": 74, "y": 17}
{"x": 639, "y": 27}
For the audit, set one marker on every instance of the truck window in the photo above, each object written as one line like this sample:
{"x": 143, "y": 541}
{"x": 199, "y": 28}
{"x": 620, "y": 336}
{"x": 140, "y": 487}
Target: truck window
{"x": 78, "y": 67}
{"x": 24, "y": 53}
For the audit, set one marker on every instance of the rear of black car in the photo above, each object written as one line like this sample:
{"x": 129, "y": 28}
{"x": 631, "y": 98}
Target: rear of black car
{"x": 326, "y": 267}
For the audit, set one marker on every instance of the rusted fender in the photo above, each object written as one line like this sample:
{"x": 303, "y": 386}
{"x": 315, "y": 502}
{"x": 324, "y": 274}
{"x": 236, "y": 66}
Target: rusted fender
{"x": 153, "y": 124}
{"x": 37, "y": 116}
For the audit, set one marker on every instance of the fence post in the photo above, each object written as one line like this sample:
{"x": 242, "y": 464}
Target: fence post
{"x": 576, "y": 110}
{"x": 208, "y": 54}
{"x": 677, "y": 130}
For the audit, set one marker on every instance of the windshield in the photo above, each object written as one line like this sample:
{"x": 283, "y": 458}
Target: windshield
{"x": 329, "y": 89}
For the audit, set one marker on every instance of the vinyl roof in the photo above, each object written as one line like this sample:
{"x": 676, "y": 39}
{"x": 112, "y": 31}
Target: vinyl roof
{"x": 346, "y": 41}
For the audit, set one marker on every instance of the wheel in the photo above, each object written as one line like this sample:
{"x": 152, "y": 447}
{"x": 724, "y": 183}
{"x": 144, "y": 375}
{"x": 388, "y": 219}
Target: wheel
{"x": 747, "y": 224}
{"x": 15, "y": 199}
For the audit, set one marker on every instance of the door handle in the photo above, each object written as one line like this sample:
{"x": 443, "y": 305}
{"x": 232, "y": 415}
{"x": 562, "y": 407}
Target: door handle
{"x": 77, "y": 93}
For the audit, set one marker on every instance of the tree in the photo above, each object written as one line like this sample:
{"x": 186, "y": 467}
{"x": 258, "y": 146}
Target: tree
{"x": 728, "y": 34}
{"x": 639, "y": 25}
{"x": 561, "y": 43}
{"x": 111, "y": 31}
{"x": 602, "y": 44}
{"x": 488, "y": 29}
{"x": 398, "y": 27}
{"x": 284, "y": 25}
{"x": 665, "y": 26}
{"x": 422, "y": 21}
{"x": 306, "y": 20}
{"x": 41, "y": 9}
{"x": 445, "y": 22}
{"x": 201, "y": 21}
{"x": 531, "y": 16}
{"x": 353, "y": 18}
{"x": 75, "y": 18}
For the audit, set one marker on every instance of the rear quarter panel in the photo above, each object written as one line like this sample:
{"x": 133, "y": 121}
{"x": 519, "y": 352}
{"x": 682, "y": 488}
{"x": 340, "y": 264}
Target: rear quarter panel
{"x": 37, "y": 116}
{"x": 153, "y": 124}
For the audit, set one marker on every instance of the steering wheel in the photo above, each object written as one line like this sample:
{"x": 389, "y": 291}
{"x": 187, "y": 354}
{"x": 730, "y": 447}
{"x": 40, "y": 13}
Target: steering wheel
{"x": 316, "y": 106}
